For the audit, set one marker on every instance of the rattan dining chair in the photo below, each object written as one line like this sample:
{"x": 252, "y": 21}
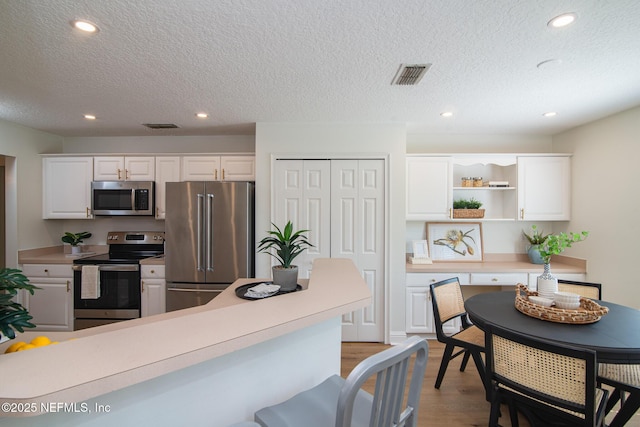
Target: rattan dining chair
{"x": 448, "y": 304}
{"x": 625, "y": 379}
{"x": 341, "y": 402}
{"x": 584, "y": 289}
{"x": 549, "y": 383}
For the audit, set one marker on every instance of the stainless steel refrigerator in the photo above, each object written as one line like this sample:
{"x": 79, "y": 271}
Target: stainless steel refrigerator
{"x": 209, "y": 239}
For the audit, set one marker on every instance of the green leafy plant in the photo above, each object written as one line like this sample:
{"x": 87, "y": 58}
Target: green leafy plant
{"x": 536, "y": 237}
{"x": 75, "y": 238}
{"x": 13, "y": 316}
{"x": 555, "y": 244}
{"x": 287, "y": 243}
{"x": 467, "y": 204}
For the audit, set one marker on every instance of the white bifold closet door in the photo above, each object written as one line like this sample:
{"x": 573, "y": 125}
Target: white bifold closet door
{"x": 341, "y": 203}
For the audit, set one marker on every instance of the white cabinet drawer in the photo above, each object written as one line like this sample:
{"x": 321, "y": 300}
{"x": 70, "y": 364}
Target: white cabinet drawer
{"x": 47, "y": 270}
{"x": 426, "y": 279}
{"x": 498, "y": 279}
{"x": 152, "y": 271}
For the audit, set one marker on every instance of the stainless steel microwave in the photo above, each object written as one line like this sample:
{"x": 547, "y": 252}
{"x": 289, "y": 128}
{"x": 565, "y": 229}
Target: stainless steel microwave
{"x": 115, "y": 198}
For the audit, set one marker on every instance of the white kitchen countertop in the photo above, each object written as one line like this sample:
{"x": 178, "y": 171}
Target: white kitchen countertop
{"x": 92, "y": 362}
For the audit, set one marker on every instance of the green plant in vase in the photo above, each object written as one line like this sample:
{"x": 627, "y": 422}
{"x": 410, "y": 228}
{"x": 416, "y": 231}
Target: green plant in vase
{"x": 288, "y": 245}
{"x": 554, "y": 244}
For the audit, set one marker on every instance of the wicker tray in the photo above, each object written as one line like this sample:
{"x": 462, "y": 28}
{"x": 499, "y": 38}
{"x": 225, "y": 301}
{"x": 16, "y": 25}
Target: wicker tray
{"x": 468, "y": 213}
{"x": 589, "y": 311}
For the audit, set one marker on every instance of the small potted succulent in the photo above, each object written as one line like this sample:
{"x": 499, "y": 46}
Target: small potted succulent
{"x": 288, "y": 245}
{"x": 13, "y": 316}
{"x": 74, "y": 239}
{"x": 535, "y": 238}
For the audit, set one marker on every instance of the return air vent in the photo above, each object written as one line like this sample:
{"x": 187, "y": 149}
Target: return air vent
{"x": 161, "y": 125}
{"x": 409, "y": 75}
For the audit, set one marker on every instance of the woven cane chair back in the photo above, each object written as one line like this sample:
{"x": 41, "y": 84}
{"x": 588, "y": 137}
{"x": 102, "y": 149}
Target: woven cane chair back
{"x": 584, "y": 289}
{"x": 449, "y": 300}
{"x": 543, "y": 377}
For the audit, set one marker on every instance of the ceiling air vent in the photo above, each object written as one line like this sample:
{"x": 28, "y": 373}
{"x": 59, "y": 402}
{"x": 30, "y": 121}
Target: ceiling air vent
{"x": 161, "y": 125}
{"x": 409, "y": 75}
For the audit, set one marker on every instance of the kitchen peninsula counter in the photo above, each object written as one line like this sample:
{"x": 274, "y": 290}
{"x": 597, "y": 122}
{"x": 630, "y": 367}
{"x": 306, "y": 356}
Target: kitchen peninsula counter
{"x": 113, "y": 359}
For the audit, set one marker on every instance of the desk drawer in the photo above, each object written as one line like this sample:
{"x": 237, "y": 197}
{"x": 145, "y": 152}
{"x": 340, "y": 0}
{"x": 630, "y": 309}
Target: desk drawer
{"x": 47, "y": 270}
{"x": 426, "y": 279}
{"x": 498, "y": 279}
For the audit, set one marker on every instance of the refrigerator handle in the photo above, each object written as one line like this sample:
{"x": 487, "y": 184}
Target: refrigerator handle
{"x": 200, "y": 242}
{"x": 209, "y": 232}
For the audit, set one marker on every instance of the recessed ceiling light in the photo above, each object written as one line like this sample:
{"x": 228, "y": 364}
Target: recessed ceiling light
{"x": 550, "y": 114}
{"x": 562, "y": 20}
{"x": 202, "y": 115}
{"x": 85, "y": 26}
{"x": 89, "y": 117}
{"x": 447, "y": 114}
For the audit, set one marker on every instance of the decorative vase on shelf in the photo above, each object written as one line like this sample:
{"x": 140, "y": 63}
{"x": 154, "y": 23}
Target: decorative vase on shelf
{"x": 534, "y": 254}
{"x": 547, "y": 283}
{"x": 75, "y": 250}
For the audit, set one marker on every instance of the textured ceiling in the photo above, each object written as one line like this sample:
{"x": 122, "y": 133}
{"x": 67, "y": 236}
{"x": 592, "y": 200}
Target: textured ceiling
{"x": 248, "y": 61}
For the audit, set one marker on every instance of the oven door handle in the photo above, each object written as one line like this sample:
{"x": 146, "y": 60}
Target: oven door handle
{"x": 115, "y": 267}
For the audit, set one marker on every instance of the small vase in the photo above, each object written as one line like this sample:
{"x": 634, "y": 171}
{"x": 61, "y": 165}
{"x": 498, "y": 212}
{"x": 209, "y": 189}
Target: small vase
{"x": 534, "y": 255}
{"x": 75, "y": 250}
{"x": 287, "y": 278}
{"x": 547, "y": 283}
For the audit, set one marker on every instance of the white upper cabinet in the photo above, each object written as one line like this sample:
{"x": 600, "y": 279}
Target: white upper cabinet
{"x": 167, "y": 170}
{"x": 544, "y": 188}
{"x": 67, "y": 187}
{"x": 119, "y": 168}
{"x": 429, "y": 188}
{"x": 218, "y": 168}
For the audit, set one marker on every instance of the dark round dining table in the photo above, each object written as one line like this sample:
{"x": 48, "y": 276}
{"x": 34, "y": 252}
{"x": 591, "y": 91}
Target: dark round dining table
{"x": 615, "y": 337}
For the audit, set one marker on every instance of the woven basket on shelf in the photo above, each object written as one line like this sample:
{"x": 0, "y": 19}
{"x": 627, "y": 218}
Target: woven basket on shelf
{"x": 589, "y": 311}
{"x": 468, "y": 213}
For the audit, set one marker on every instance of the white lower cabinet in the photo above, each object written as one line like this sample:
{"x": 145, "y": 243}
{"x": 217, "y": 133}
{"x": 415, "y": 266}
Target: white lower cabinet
{"x": 498, "y": 279}
{"x": 419, "y": 308}
{"x": 52, "y": 305}
{"x": 153, "y": 290}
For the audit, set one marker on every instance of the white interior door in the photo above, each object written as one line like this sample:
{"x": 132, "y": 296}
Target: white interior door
{"x": 341, "y": 202}
{"x": 303, "y": 196}
{"x": 357, "y": 229}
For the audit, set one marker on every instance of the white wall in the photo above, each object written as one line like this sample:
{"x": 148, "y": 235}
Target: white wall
{"x": 333, "y": 140}
{"x": 605, "y": 201}
{"x": 25, "y": 227}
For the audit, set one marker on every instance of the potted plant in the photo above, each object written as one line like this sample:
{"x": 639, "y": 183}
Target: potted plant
{"x": 13, "y": 316}
{"x": 535, "y": 238}
{"x": 74, "y": 239}
{"x": 467, "y": 208}
{"x": 288, "y": 245}
{"x": 554, "y": 244}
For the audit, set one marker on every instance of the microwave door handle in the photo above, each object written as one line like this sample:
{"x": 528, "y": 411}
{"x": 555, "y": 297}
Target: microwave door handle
{"x": 199, "y": 232}
{"x": 210, "y": 232}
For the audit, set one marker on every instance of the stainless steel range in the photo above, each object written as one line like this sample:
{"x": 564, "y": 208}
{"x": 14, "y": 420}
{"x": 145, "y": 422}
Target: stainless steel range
{"x": 107, "y": 286}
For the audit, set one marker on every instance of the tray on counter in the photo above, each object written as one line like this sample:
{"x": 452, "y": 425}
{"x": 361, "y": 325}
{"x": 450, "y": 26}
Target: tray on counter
{"x": 241, "y": 290}
{"x": 589, "y": 311}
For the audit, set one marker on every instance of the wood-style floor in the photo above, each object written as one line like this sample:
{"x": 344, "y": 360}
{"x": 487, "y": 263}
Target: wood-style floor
{"x": 460, "y": 401}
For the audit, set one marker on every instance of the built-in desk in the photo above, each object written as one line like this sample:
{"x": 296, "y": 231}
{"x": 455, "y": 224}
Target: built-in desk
{"x": 209, "y": 365}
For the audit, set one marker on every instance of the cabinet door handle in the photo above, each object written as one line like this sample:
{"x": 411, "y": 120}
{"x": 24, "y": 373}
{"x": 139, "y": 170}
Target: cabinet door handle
{"x": 450, "y": 213}
{"x": 142, "y": 286}
{"x": 223, "y": 174}
{"x": 88, "y": 213}
{"x": 126, "y": 174}
{"x": 68, "y": 286}
{"x": 118, "y": 173}
{"x": 215, "y": 174}
{"x": 522, "y": 213}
